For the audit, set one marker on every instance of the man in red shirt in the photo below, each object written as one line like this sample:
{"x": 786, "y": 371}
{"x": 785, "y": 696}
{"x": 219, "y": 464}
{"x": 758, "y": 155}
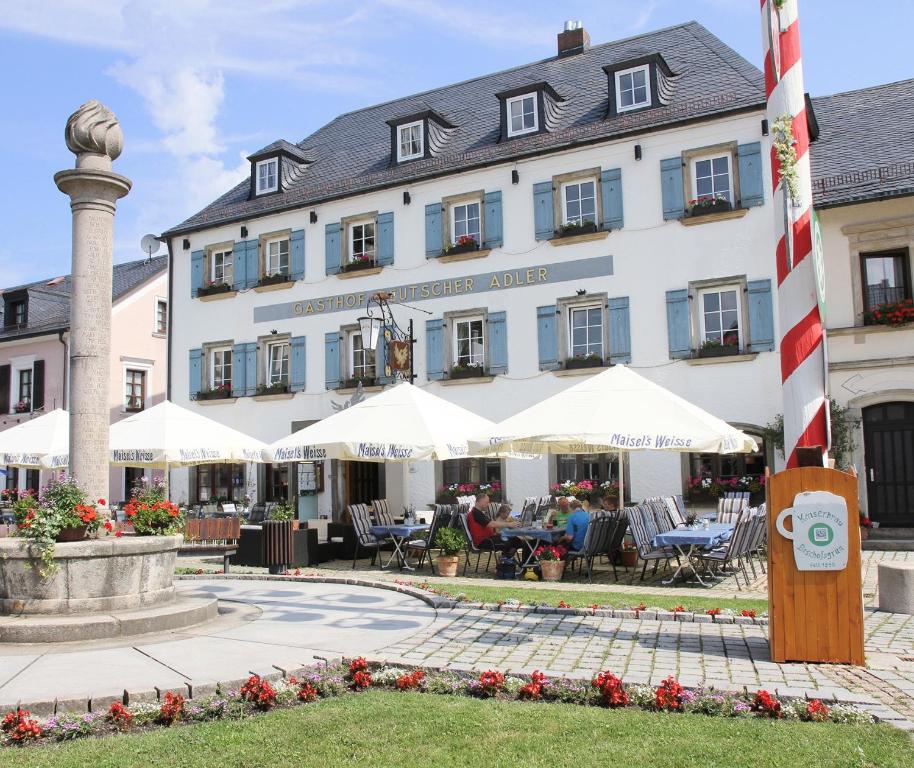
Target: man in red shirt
{"x": 485, "y": 530}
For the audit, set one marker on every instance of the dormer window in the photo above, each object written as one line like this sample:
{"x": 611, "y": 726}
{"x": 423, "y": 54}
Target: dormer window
{"x": 410, "y": 141}
{"x": 633, "y": 88}
{"x": 15, "y": 311}
{"x": 267, "y": 175}
{"x": 522, "y": 115}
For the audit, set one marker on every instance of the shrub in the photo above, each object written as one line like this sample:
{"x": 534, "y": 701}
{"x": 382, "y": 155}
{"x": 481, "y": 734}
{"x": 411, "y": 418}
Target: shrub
{"x": 450, "y": 541}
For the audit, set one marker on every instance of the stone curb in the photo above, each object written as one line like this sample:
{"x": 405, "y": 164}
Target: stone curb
{"x": 440, "y": 603}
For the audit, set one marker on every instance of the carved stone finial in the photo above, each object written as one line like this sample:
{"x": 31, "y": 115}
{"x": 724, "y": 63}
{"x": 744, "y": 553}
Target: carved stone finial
{"x": 94, "y": 129}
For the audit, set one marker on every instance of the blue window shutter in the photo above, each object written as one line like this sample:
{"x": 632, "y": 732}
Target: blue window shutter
{"x": 332, "y": 247}
{"x": 611, "y": 182}
{"x": 385, "y": 238}
{"x": 252, "y": 263}
{"x": 751, "y": 189}
{"x": 250, "y": 368}
{"x": 493, "y": 237}
{"x": 380, "y": 355}
{"x": 679, "y": 323}
{"x": 195, "y": 375}
{"x": 543, "y": 223}
{"x": 332, "y": 360}
{"x": 297, "y": 260}
{"x": 239, "y": 265}
{"x": 547, "y": 337}
{"x": 620, "y": 334}
{"x": 761, "y": 316}
{"x": 434, "y": 349}
{"x": 297, "y": 363}
{"x": 671, "y": 188}
{"x": 239, "y": 366}
{"x": 197, "y": 268}
{"x": 498, "y": 342}
{"x": 434, "y": 237}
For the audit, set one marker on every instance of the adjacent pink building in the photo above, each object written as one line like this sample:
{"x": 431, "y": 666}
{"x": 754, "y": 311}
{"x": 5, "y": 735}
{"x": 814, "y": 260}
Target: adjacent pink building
{"x": 34, "y": 353}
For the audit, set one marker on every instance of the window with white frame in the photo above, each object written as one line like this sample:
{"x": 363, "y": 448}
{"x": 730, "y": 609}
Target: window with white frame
{"x": 267, "y": 175}
{"x": 719, "y": 316}
{"x": 465, "y": 222}
{"x": 220, "y": 367}
{"x": 579, "y": 202}
{"x": 276, "y": 257}
{"x": 362, "y": 241}
{"x": 711, "y": 178}
{"x": 410, "y": 141}
{"x": 361, "y": 360}
{"x": 278, "y": 363}
{"x": 633, "y": 88}
{"x": 161, "y": 316}
{"x": 134, "y": 389}
{"x": 585, "y": 330}
{"x": 222, "y": 269}
{"x": 469, "y": 342}
{"x": 522, "y": 117}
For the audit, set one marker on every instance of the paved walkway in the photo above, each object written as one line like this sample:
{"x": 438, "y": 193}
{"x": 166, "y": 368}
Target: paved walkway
{"x": 284, "y": 624}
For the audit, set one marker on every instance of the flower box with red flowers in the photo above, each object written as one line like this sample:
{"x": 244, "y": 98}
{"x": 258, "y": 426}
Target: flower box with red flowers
{"x": 359, "y": 261}
{"x": 211, "y": 288}
{"x": 707, "y": 204}
{"x": 583, "y": 361}
{"x": 573, "y": 228}
{"x": 711, "y": 348}
{"x": 222, "y": 392}
{"x": 893, "y": 313}
{"x": 467, "y": 371}
{"x": 275, "y": 279}
{"x": 464, "y": 244}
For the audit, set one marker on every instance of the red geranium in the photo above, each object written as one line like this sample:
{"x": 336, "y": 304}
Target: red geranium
{"x": 410, "y": 680}
{"x": 119, "y": 716}
{"x": 358, "y": 665}
{"x": 490, "y": 682}
{"x": 20, "y": 726}
{"x": 259, "y": 692}
{"x": 361, "y": 680}
{"x": 172, "y": 709}
{"x": 766, "y": 704}
{"x": 668, "y": 696}
{"x": 307, "y": 692}
{"x": 816, "y": 711}
{"x": 611, "y": 689}
{"x": 713, "y": 611}
{"x": 748, "y": 612}
{"x": 534, "y": 689}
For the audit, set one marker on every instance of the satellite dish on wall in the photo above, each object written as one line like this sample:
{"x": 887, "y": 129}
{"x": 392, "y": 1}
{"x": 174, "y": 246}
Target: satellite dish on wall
{"x": 150, "y": 245}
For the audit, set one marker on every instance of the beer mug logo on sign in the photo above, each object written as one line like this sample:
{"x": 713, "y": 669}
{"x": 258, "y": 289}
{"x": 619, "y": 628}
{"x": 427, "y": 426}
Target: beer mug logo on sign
{"x": 819, "y": 532}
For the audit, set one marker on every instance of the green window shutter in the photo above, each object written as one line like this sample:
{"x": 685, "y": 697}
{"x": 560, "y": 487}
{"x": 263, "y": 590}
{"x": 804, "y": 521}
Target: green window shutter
{"x": 239, "y": 352}
{"x": 498, "y": 342}
{"x": 297, "y": 363}
{"x": 671, "y": 188}
{"x": 195, "y": 373}
{"x": 547, "y": 339}
{"x": 611, "y": 183}
{"x": 197, "y": 270}
{"x": 434, "y": 349}
{"x": 679, "y": 323}
{"x": 620, "y": 335}
{"x": 761, "y": 316}
{"x": 385, "y": 239}
{"x": 543, "y": 224}
{"x": 493, "y": 237}
{"x": 434, "y": 234}
{"x": 297, "y": 256}
{"x": 332, "y": 248}
{"x": 332, "y": 360}
{"x": 751, "y": 188}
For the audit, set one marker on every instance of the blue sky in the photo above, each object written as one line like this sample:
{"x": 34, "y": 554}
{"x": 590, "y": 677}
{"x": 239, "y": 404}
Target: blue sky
{"x": 200, "y": 84}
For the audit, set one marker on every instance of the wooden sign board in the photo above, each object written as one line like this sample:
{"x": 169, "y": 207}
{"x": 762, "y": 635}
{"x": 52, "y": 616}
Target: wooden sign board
{"x": 814, "y": 615}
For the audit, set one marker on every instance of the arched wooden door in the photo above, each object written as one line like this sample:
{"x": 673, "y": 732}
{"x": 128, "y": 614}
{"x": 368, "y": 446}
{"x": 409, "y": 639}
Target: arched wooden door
{"x": 888, "y": 443}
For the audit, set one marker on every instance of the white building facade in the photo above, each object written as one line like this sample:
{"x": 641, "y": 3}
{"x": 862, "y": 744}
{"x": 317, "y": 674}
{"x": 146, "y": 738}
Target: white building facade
{"x": 620, "y": 140}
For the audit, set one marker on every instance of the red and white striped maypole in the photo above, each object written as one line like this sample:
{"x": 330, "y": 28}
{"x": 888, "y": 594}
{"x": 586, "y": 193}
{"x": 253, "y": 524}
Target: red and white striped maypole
{"x": 802, "y": 334}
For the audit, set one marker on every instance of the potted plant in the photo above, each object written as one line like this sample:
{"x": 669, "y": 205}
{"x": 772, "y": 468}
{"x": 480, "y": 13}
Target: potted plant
{"x": 464, "y": 244}
{"x": 714, "y": 348}
{"x": 590, "y": 360}
{"x": 274, "y": 279}
{"x": 150, "y": 512}
{"x": 865, "y": 525}
{"x": 221, "y": 392}
{"x": 450, "y": 541}
{"x": 211, "y": 287}
{"x": 359, "y": 261}
{"x": 573, "y": 228}
{"x": 279, "y": 388}
{"x": 467, "y": 370}
{"x": 59, "y": 514}
{"x": 551, "y": 564}
{"x": 284, "y": 511}
{"x": 705, "y": 204}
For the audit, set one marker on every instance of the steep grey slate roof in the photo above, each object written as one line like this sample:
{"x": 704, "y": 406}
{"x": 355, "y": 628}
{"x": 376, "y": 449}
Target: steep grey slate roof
{"x": 352, "y": 153}
{"x": 865, "y": 149}
{"x": 49, "y": 305}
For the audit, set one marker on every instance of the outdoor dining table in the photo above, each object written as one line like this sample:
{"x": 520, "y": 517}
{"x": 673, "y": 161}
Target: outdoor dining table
{"x": 687, "y": 540}
{"x": 400, "y": 536}
{"x": 531, "y": 537}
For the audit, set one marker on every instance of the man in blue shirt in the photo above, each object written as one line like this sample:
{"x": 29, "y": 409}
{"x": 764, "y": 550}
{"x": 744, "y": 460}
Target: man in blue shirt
{"x": 576, "y": 527}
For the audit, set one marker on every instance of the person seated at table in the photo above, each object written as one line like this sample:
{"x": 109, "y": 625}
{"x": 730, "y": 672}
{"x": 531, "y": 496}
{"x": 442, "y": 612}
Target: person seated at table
{"x": 576, "y": 527}
{"x": 486, "y": 531}
{"x": 504, "y": 512}
{"x": 610, "y": 503}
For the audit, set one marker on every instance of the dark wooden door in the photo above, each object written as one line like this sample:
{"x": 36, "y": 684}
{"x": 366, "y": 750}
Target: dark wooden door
{"x": 888, "y": 440}
{"x": 363, "y": 481}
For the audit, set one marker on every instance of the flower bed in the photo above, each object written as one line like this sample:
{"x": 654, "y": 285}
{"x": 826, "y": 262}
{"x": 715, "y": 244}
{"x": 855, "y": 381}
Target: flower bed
{"x": 258, "y": 695}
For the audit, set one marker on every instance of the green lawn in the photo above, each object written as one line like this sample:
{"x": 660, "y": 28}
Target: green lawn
{"x": 418, "y": 731}
{"x": 535, "y": 595}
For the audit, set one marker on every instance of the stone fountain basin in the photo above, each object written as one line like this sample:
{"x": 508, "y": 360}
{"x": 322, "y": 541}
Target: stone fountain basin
{"x": 108, "y": 574}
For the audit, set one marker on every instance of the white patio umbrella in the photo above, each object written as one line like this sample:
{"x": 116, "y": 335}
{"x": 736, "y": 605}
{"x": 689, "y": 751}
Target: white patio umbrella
{"x": 40, "y": 443}
{"x": 617, "y": 410}
{"x": 403, "y": 423}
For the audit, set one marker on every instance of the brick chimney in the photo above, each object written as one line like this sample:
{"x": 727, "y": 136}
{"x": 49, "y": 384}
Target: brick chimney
{"x": 573, "y": 39}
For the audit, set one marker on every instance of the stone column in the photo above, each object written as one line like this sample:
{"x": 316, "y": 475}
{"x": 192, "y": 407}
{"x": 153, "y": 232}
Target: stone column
{"x": 94, "y": 136}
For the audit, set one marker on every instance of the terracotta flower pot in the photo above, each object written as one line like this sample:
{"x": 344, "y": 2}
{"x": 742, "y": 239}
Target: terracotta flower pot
{"x": 629, "y": 558}
{"x": 552, "y": 570}
{"x": 76, "y": 533}
{"x": 446, "y": 565}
